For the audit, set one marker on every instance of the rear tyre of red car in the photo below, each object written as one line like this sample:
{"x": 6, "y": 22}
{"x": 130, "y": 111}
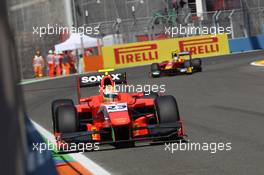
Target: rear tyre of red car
{"x": 66, "y": 119}
{"x": 197, "y": 65}
{"x": 155, "y": 70}
{"x": 55, "y": 104}
{"x": 167, "y": 109}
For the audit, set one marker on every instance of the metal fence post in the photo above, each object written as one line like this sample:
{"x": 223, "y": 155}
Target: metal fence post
{"x": 186, "y": 18}
{"x": 247, "y": 31}
{"x": 262, "y": 21}
{"x": 217, "y": 19}
{"x": 214, "y": 18}
{"x": 230, "y": 17}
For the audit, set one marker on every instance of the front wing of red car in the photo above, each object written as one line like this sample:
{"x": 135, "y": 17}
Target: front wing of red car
{"x": 157, "y": 131}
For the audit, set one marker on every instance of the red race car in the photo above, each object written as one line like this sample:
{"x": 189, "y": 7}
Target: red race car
{"x": 181, "y": 63}
{"x": 115, "y": 118}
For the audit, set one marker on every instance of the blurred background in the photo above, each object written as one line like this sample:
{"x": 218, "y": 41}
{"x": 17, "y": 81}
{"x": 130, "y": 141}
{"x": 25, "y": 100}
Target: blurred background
{"x": 126, "y": 21}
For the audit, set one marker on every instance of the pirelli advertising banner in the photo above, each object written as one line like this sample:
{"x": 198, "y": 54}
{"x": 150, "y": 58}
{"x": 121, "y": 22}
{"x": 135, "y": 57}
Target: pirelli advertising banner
{"x": 134, "y": 54}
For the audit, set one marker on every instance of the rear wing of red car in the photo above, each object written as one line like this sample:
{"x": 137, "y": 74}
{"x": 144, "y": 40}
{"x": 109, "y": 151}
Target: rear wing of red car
{"x": 91, "y": 80}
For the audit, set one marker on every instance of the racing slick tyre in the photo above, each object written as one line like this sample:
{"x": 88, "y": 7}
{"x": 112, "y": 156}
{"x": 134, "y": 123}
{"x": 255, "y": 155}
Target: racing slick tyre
{"x": 66, "y": 119}
{"x": 55, "y": 104}
{"x": 197, "y": 65}
{"x": 155, "y": 70}
{"x": 167, "y": 109}
{"x": 167, "y": 112}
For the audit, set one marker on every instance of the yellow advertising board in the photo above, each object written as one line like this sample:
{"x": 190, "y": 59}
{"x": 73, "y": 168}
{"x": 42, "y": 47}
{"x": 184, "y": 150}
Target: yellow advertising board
{"x": 141, "y": 53}
{"x": 205, "y": 46}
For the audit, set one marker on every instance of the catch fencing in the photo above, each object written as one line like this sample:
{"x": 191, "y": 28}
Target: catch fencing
{"x": 244, "y": 23}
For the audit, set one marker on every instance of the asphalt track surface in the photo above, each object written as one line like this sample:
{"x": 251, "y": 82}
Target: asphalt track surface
{"x": 224, "y": 103}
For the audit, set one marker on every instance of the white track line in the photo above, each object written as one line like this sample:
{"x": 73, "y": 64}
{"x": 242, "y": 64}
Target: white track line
{"x": 82, "y": 159}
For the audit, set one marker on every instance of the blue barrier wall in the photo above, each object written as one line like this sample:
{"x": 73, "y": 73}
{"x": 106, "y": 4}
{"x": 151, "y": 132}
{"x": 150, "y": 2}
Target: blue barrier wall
{"x": 246, "y": 44}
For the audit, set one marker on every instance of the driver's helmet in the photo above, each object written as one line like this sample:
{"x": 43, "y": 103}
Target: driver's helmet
{"x": 109, "y": 94}
{"x": 180, "y": 58}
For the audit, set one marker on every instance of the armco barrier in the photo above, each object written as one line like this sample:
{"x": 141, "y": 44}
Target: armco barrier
{"x": 141, "y": 53}
{"x": 247, "y": 44}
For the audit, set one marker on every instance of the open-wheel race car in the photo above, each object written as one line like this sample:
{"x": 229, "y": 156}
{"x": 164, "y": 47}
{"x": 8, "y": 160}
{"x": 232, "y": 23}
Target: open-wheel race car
{"x": 181, "y": 62}
{"x": 115, "y": 118}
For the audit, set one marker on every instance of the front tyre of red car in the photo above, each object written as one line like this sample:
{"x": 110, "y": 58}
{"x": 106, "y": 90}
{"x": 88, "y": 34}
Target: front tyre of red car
{"x": 66, "y": 119}
{"x": 55, "y": 104}
{"x": 155, "y": 70}
{"x": 167, "y": 109}
{"x": 65, "y": 122}
{"x": 167, "y": 113}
